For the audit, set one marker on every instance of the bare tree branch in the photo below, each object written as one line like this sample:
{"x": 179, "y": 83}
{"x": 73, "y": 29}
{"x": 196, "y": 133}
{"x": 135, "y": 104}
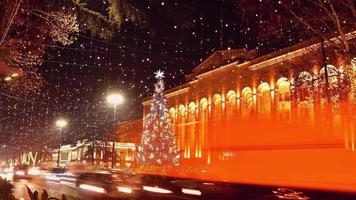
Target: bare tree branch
{"x": 339, "y": 28}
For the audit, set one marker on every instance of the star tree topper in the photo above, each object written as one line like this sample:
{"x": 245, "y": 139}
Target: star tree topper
{"x": 159, "y": 74}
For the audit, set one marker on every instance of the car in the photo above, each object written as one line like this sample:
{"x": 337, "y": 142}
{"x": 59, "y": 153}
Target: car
{"x": 98, "y": 182}
{"x": 21, "y": 172}
{"x": 2, "y": 170}
{"x": 6, "y": 169}
{"x": 54, "y": 174}
{"x": 128, "y": 183}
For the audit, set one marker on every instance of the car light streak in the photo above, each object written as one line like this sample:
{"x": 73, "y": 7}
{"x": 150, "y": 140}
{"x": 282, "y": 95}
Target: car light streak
{"x": 34, "y": 171}
{"x": 92, "y": 188}
{"x": 20, "y": 173}
{"x": 208, "y": 183}
{"x": 68, "y": 179}
{"x": 52, "y": 178}
{"x": 124, "y": 189}
{"x": 156, "y": 189}
{"x": 67, "y": 183}
{"x": 191, "y": 191}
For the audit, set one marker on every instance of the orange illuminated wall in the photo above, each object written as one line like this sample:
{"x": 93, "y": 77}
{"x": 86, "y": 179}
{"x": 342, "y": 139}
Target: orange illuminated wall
{"x": 241, "y": 123}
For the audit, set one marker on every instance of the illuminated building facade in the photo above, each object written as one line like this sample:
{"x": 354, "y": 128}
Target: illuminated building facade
{"x": 126, "y": 139}
{"x": 254, "y": 119}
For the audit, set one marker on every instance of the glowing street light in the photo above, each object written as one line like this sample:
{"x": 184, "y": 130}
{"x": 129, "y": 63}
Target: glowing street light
{"x": 12, "y": 77}
{"x": 114, "y": 99}
{"x": 60, "y": 123}
{"x": 15, "y": 75}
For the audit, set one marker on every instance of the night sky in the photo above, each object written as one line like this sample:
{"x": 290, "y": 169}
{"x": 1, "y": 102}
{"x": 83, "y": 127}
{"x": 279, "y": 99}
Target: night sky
{"x": 79, "y": 76}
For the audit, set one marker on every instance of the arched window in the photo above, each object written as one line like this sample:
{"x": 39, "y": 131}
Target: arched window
{"x": 203, "y": 127}
{"x": 181, "y": 133}
{"x": 191, "y": 130}
{"x": 283, "y": 87}
{"x": 305, "y": 96}
{"x": 217, "y": 100}
{"x": 353, "y": 80}
{"x": 203, "y": 104}
{"x": 264, "y": 96}
{"x": 231, "y": 98}
{"x": 191, "y": 108}
{"x": 172, "y": 112}
{"x": 305, "y": 88}
{"x": 247, "y": 101}
{"x": 332, "y": 73}
{"x": 216, "y": 124}
{"x": 333, "y": 82}
{"x": 283, "y": 101}
{"x": 217, "y": 111}
{"x": 181, "y": 110}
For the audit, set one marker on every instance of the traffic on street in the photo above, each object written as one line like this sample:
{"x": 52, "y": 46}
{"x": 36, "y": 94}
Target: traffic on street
{"x": 118, "y": 184}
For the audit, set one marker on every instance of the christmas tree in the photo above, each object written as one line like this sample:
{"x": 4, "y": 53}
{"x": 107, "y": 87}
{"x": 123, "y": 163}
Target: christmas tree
{"x": 158, "y": 142}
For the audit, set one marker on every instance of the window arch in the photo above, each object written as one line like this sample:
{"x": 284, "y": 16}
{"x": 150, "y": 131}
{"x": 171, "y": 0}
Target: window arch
{"x": 231, "y": 98}
{"x": 247, "y": 93}
{"x": 204, "y": 104}
{"x": 247, "y": 101}
{"x": 264, "y": 98}
{"x": 305, "y": 82}
{"x": 191, "y": 107}
{"x": 217, "y": 99}
{"x": 305, "y": 94}
{"x": 191, "y": 142}
{"x": 172, "y": 112}
{"x": 283, "y": 101}
{"x": 203, "y": 126}
{"x": 333, "y": 73}
{"x": 180, "y": 129}
{"x": 181, "y": 109}
{"x": 264, "y": 87}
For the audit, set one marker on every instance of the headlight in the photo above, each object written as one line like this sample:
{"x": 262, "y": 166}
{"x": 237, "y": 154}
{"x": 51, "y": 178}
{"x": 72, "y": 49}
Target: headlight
{"x": 124, "y": 189}
{"x": 191, "y": 191}
{"x": 156, "y": 189}
{"x": 20, "y": 173}
{"x": 92, "y": 188}
{"x": 34, "y": 171}
{"x": 9, "y": 170}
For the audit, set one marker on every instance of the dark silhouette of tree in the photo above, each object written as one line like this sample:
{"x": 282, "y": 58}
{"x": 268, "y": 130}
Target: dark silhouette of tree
{"x": 284, "y": 22}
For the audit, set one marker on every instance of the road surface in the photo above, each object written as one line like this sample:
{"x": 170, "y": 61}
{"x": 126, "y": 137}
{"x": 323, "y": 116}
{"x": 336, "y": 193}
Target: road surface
{"x": 206, "y": 190}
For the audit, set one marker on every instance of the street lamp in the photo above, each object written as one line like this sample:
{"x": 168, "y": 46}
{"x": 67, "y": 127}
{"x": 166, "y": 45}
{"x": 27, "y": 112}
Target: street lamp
{"x": 114, "y": 100}
{"x": 60, "y": 123}
{"x": 7, "y": 79}
{"x": 12, "y": 77}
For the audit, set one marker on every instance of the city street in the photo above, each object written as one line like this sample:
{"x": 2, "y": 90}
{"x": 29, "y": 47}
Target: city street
{"x": 203, "y": 190}
{"x": 177, "y": 99}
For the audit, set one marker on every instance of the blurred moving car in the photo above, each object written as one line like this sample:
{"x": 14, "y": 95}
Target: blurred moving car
{"x": 99, "y": 182}
{"x": 21, "y": 172}
{"x": 34, "y": 171}
{"x": 6, "y": 169}
{"x": 128, "y": 183}
{"x": 2, "y": 169}
{"x": 54, "y": 174}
